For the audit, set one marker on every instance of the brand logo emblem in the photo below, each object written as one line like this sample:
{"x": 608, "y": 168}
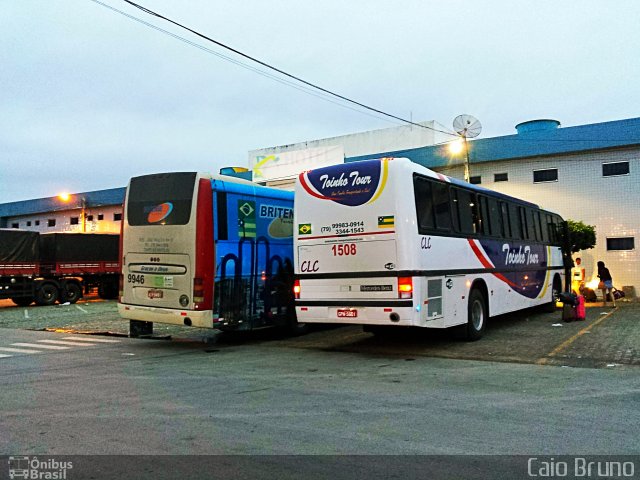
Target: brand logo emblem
{"x": 347, "y": 184}
{"x": 160, "y": 212}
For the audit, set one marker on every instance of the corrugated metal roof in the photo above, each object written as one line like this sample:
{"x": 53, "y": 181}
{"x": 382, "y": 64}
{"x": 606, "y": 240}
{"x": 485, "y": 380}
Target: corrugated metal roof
{"x": 549, "y": 141}
{"x": 112, "y": 196}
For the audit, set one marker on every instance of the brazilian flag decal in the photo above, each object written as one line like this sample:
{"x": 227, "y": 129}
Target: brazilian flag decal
{"x": 246, "y": 218}
{"x": 386, "y": 221}
{"x": 304, "y": 229}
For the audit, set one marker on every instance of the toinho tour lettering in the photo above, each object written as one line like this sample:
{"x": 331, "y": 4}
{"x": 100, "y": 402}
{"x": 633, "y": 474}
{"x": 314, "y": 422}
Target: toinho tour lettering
{"x": 519, "y": 256}
{"x": 353, "y": 180}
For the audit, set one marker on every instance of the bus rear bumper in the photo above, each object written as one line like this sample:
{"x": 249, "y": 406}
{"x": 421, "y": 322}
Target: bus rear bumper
{"x": 193, "y": 318}
{"x": 365, "y": 315}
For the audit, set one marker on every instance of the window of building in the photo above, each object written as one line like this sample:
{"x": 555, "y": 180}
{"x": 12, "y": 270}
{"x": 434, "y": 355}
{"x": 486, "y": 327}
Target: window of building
{"x": 117, "y": 217}
{"x": 613, "y": 169}
{"x": 89, "y": 218}
{"x": 501, "y": 177}
{"x": 51, "y": 222}
{"x": 74, "y": 221}
{"x": 15, "y": 225}
{"x": 100, "y": 216}
{"x": 621, "y": 243}
{"x": 37, "y": 223}
{"x": 548, "y": 175}
{"x": 476, "y": 180}
{"x": 28, "y": 223}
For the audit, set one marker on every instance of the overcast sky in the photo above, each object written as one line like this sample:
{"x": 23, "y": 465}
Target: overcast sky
{"x": 89, "y": 98}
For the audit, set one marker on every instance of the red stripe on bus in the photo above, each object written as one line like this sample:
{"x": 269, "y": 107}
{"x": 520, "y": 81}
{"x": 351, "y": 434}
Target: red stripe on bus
{"x": 345, "y": 235}
{"x": 308, "y": 189}
{"x": 487, "y": 264}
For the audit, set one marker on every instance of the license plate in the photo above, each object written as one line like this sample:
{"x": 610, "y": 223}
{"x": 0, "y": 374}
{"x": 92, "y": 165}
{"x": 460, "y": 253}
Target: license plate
{"x": 347, "y": 313}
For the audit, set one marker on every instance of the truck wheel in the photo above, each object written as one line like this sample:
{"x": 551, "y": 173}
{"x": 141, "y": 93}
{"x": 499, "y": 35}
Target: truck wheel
{"x": 22, "y": 301}
{"x": 476, "y": 315}
{"x": 71, "y": 293}
{"x": 46, "y": 294}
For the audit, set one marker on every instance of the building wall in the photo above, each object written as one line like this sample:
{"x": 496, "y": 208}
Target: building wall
{"x": 353, "y": 145}
{"x": 582, "y": 193}
{"x": 99, "y": 220}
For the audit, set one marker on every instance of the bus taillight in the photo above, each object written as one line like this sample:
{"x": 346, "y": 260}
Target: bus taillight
{"x": 296, "y": 288}
{"x": 198, "y": 290}
{"x": 405, "y": 287}
{"x": 120, "y": 287}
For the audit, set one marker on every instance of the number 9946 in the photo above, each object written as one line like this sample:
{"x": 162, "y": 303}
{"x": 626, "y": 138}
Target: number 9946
{"x": 133, "y": 278}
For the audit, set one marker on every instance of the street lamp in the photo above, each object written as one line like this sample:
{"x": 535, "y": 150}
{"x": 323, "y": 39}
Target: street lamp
{"x": 66, "y": 197}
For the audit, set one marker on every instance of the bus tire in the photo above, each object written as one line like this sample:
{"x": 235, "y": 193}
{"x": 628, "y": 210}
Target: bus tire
{"x": 22, "y": 301}
{"x": 71, "y": 292}
{"x": 47, "y": 294}
{"x": 476, "y": 315}
{"x": 555, "y": 294}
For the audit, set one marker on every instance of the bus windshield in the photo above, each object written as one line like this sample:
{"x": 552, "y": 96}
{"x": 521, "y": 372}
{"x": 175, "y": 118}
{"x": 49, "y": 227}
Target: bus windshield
{"x": 161, "y": 199}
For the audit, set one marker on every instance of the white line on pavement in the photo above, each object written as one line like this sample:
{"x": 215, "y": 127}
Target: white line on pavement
{"x": 38, "y": 345}
{"x": 73, "y": 344}
{"x": 5, "y": 356}
{"x": 81, "y": 309}
{"x": 26, "y": 314}
{"x": 99, "y": 340}
{"x": 18, "y": 350}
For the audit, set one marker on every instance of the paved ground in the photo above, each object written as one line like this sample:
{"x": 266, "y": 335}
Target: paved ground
{"x": 82, "y": 396}
{"x": 609, "y": 338}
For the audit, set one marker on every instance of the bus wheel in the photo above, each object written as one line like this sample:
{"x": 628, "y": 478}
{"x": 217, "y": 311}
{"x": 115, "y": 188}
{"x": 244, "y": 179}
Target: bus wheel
{"x": 477, "y": 315}
{"x": 47, "y": 294}
{"x": 71, "y": 293}
{"x": 555, "y": 294}
{"x": 22, "y": 301}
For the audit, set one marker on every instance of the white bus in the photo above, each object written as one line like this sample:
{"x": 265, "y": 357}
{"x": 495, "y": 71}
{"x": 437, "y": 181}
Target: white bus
{"x": 389, "y": 242}
{"x": 206, "y": 251}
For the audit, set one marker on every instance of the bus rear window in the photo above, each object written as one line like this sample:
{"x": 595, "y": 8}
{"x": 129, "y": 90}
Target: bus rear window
{"x": 161, "y": 199}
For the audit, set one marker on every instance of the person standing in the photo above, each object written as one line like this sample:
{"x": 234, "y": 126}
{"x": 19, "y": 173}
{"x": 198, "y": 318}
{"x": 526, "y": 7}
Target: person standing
{"x": 578, "y": 276}
{"x": 606, "y": 283}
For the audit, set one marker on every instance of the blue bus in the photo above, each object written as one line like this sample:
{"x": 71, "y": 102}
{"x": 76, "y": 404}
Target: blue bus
{"x": 206, "y": 251}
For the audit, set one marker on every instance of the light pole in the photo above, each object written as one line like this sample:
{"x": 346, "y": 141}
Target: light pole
{"x": 458, "y": 146}
{"x": 65, "y": 197}
{"x": 83, "y": 203}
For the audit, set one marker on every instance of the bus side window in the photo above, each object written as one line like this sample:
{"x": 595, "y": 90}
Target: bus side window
{"x": 221, "y": 209}
{"x": 424, "y": 204}
{"x": 506, "y": 224}
{"x": 467, "y": 212}
{"x": 551, "y": 229}
{"x": 484, "y": 215}
{"x": 514, "y": 219}
{"x": 455, "y": 208}
{"x": 495, "y": 218}
{"x": 442, "y": 206}
{"x": 539, "y": 229}
{"x": 531, "y": 225}
{"x": 523, "y": 223}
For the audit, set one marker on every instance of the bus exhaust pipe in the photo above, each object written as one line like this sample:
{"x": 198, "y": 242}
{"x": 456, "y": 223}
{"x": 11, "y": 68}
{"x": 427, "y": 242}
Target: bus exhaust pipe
{"x": 187, "y": 321}
{"x": 394, "y": 317}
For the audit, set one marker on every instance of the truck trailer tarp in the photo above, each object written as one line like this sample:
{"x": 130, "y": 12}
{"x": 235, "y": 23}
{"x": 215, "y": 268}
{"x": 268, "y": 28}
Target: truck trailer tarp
{"x": 18, "y": 246}
{"x": 78, "y": 247}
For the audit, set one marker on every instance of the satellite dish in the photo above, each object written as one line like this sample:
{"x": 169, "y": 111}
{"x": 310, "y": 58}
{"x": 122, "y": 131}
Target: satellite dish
{"x": 467, "y": 126}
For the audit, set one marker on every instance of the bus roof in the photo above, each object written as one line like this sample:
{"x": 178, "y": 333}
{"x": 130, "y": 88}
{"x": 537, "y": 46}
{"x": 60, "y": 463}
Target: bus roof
{"x": 454, "y": 181}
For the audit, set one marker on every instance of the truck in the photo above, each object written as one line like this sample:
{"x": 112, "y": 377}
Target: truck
{"x": 57, "y": 267}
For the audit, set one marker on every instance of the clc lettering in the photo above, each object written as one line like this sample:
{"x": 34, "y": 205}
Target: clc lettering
{"x": 309, "y": 266}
